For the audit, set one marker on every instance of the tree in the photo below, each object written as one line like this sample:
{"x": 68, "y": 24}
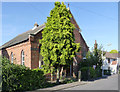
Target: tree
{"x": 90, "y": 59}
{"x": 58, "y": 46}
{"x": 98, "y": 56}
{"x": 95, "y": 58}
{"x": 113, "y": 51}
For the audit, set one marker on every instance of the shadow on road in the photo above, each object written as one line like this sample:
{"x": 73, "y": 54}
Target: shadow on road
{"x": 104, "y": 77}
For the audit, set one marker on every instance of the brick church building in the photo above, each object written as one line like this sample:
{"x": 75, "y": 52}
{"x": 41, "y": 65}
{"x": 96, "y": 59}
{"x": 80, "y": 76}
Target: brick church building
{"x": 24, "y": 49}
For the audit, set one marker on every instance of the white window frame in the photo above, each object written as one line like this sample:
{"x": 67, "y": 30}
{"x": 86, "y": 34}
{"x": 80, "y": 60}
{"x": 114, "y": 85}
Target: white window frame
{"x": 12, "y": 57}
{"x": 23, "y": 57}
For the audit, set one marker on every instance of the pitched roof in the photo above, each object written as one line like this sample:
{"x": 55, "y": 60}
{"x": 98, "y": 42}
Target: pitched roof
{"x": 25, "y": 36}
{"x": 78, "y": 27}
{"x": 111, "y": 55}
{"x": 22, "y": 37}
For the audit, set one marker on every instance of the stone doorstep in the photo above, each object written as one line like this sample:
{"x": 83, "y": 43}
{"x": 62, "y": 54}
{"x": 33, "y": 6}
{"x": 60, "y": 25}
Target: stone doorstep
{"x": 63, "y": 86}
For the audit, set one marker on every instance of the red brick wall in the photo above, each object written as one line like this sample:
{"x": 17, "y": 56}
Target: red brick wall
{"x": 84, "y": 47}
{"x": 35, "y": 51}
{"x": 31, "y": 51}
{"x": 79, "y": 39}
{"x": 17, "y": 53}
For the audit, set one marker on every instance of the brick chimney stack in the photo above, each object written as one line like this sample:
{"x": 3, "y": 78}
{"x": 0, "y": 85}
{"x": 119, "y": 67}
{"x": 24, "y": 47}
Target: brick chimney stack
{"x": 68, "y": 6}
{"x": 35, "y": 25}
{"x": 95, "y": 45}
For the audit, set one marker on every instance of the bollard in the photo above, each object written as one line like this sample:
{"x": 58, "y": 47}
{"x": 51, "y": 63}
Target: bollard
{"x": 79, "y": 76}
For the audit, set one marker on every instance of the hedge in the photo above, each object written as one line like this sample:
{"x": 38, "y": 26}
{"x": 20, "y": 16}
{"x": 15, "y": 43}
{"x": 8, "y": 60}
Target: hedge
{"x": 20, "y": 78}
{"x": 107, "y": 72}
{"x": 98, "y": 72}
{"x": 90, "y": 73}
{"x": 84, "y": 73}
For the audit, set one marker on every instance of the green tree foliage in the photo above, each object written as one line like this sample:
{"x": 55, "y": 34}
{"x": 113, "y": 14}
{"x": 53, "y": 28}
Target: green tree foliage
{"x": 113, "y": 51}
{"x": 19, "y": 78}
{"x": 98, "y": 53}
{"x": 92, "y": 58}
{"x": 58, "y": 47}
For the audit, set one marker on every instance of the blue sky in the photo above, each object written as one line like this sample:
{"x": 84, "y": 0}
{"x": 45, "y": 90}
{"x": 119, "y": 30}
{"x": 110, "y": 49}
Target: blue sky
{"x": 97, "y": 20}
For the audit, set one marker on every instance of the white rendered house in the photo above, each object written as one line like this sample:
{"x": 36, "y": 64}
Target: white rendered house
{"x": 110, "y": 62}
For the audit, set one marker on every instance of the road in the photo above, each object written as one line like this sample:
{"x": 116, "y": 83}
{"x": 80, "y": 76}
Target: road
{"x": 109, "y": 83}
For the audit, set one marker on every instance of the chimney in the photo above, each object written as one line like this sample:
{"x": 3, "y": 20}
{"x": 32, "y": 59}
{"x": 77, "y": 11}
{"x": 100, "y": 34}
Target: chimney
{"x": 95, "y": 45}
{"x": 68, "y": 6}
{"x": 31, "y": 37}
{"x": 35, "y": 26}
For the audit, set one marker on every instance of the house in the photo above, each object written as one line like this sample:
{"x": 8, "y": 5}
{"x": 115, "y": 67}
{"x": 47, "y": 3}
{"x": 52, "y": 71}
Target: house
{"x": 24, "y": 49}
{"x": 111, "y": 62}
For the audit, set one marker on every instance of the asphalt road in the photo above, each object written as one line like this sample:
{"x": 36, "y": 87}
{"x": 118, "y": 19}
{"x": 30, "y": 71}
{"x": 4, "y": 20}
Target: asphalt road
{"x": 109, "y": 83}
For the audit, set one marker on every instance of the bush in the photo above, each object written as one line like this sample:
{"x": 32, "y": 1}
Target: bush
{"x": 69, "y": 80}
{"x": 84, "y": 73}
{"x": 107, "y": 72}
{"x": 98, "y": 72}
{"x": 88, "y": 73}
{"x": 92, "y": 73}
{"x": 20, "y": 78}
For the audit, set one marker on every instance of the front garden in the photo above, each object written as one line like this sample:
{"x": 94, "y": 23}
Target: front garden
{"x": 21, "y": 78}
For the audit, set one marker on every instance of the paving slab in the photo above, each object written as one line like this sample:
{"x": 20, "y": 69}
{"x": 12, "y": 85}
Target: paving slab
{"x": 62, "y": 86}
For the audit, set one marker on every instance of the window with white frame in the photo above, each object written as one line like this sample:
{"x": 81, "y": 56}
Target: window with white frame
{"x": 11, "y": 57}
{"x": 22, "y": 57}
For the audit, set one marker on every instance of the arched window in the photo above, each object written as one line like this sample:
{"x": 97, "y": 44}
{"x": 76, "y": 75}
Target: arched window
{"x": 11, "y": 57}
{"x": 22, "y": 57}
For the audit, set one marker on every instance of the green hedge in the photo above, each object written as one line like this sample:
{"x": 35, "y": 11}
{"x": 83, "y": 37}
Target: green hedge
{"x": 98, "y": 72}
{"x": 69, "y": 80}
{"x": 20, "y": 78}
{"x": 107, "y": 72}
{"x": 90, "y": 73}
{"x": 84, "y": 73}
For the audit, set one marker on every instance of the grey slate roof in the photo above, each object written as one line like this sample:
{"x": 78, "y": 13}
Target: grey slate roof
{"x": 22, "y": 37}
{"x": 112, "y": 55}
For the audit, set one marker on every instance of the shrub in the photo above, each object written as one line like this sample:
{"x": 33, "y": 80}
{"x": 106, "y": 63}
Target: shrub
{"x": 84, "y": 73}
{"x": 69, "y": 80}
{"x": 98, "y": 72}
{"x": 107, "y": 72}
{"x": 92, "y": 72}
{"x": 20, "y": 78}
{"x": 88, "y": 73}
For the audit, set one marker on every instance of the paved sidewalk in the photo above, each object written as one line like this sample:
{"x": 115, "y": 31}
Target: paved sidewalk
{"x": 66, "y": 86}
{"x": 63, "y": 86}
{"x": 108, "y": 83}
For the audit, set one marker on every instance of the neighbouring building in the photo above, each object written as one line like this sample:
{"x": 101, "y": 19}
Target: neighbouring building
{"x": 111, "y": 62}
{"x": 24, "y": 49}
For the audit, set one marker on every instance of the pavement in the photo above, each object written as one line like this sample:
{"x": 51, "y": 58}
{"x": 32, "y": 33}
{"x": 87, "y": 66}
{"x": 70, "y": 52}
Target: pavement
{"x": 107, "y": 83}
{"x": 62, "y": 86}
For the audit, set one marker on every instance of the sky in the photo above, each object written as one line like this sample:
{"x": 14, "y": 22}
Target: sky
{"x": 97, "y": 20}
